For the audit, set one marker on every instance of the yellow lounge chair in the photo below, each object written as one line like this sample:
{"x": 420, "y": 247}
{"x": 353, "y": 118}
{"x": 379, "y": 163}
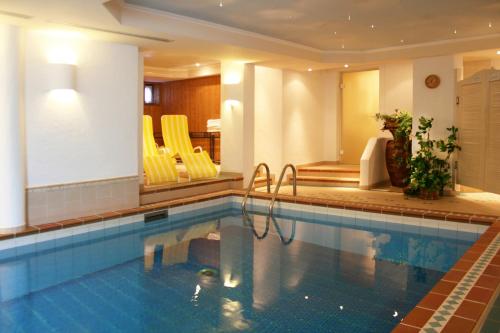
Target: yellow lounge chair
{"x": 199, "y": 165}
{"x": 149, "y": 146}
{"x": 176, "y": 137}
{"x": 159, "y": 168}
{"x": 174, "y": 129}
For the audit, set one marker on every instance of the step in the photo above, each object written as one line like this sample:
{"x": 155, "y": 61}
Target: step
{"x": 330, "y": 171}
{"x": 261, "y": 181}
{"x": 351, "y": 182}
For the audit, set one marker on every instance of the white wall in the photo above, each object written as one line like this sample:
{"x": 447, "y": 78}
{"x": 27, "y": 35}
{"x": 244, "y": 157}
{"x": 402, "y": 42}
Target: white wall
{"x": 296, "y": 116}
{"x": 396, "y": 87}
{"x": 268, "y": 117}
{"x": 93, "y": 133}
{"x": 237, "y": 117}
{"x": 331, "y": 116}
{"x": 303, "y": 117}
{"x": 438, "y": 103}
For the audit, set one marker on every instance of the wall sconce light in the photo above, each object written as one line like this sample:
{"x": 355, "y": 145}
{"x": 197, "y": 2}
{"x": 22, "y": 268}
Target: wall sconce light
{"x": 231, "y": 91}
{"x": 61, "y": 77}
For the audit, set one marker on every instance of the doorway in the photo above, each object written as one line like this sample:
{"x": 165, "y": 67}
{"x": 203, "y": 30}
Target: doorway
{"x": 360, "y": 103}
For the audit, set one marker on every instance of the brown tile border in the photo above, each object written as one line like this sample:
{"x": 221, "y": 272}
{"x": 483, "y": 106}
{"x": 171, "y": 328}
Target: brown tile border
{"x": 471, "y": 310}
{"x": 372, "y": 208}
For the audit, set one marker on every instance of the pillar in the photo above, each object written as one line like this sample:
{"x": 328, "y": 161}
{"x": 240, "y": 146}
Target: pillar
{"x": 237, "y": 118}
{"x": 12, "y": 152}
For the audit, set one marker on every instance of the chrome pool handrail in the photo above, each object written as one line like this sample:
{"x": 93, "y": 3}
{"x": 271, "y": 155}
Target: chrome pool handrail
{"x": 252, "y": 180}
{"x": 278, "y": 185}
{"x": 249, "y": 221}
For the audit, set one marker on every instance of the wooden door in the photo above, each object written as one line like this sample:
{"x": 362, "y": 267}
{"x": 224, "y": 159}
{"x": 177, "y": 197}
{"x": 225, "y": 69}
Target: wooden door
{"x": 492, "y": 160}
{"x": 471, "y": 125}
{"x": 478, "y": 122}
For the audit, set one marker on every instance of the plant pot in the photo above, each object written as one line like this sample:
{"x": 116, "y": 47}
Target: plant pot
{"x": 428, "y": 194}
{"x": 396, "y": 156}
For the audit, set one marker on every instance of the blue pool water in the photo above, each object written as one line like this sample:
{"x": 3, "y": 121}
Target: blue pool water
{"x": 219, "y": 272}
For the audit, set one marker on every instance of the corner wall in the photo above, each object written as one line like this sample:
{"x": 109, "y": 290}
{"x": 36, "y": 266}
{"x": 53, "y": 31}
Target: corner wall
{"x": 303, "y": 117}
{"x": 438, "y": 103}
{"x": 268, "y": 117}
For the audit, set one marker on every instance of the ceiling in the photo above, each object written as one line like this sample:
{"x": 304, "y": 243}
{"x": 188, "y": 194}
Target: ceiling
{"x": 354, "y": 25}
{"x": 178, "y": 34}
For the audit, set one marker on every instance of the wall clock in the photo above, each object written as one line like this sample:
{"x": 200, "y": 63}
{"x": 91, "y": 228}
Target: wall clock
{"x": 432, "y": 81}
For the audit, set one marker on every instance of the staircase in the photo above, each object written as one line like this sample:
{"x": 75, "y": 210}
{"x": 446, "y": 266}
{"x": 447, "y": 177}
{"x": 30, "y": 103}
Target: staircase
{"x": 327, "y": 175}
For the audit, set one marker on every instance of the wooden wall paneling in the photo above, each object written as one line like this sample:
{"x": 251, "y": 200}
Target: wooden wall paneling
{"x": 197, "y": 98}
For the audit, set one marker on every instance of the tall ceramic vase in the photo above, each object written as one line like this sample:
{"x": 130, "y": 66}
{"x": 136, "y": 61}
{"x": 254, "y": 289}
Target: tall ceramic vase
{"x": 396, "y": 157}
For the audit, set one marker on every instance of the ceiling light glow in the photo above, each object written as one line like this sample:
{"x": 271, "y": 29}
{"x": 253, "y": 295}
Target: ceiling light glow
{"x": 402, "y": 40}
{"x": 490, "y": 25}
{"x": 346, "y": 66}
{"x": 349, "y": 17}
{"x": 197, "y": 64}
{"x": 372, "y": 26}
{"x": 309, "y": 69}
{"x": 455, "y": 31}
{"x": 221, "y": 4}
{"x": 498, "y": 52}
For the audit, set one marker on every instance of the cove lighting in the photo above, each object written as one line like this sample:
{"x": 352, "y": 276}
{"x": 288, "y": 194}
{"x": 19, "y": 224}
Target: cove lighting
{"x": 61, "y": 55}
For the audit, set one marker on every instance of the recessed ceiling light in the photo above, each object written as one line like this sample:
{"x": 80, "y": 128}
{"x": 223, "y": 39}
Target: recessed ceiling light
{"x": 372, "y": 26}
{"x": 197, "y": 64}
{"x": 309, "y": 69}
{"x": 346, "y": 66}
{"x": 221, "y": 4}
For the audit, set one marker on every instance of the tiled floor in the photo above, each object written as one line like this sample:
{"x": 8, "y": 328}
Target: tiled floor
{"x": 470, "y": 203}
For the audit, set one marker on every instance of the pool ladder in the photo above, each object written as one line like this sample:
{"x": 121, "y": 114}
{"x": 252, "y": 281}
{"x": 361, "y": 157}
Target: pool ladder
{"x": 268, "y": 181}
{"x": 247, "y": 220}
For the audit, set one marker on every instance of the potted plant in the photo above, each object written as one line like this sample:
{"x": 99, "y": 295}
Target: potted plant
{"x": 430, "y": 167}
{"x": 398, "y": 150}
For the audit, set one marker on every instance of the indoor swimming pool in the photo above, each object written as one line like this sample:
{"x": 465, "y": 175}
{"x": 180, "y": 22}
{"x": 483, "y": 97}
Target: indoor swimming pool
{"x": 222, "y": 271}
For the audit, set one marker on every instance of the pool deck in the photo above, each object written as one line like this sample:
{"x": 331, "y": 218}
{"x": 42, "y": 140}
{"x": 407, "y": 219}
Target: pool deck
{"x": 458, "y": 303}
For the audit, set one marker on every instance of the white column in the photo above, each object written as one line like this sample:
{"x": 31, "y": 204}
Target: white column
{"x": 12, "y": 152}
{"x": 237, "y": 118}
